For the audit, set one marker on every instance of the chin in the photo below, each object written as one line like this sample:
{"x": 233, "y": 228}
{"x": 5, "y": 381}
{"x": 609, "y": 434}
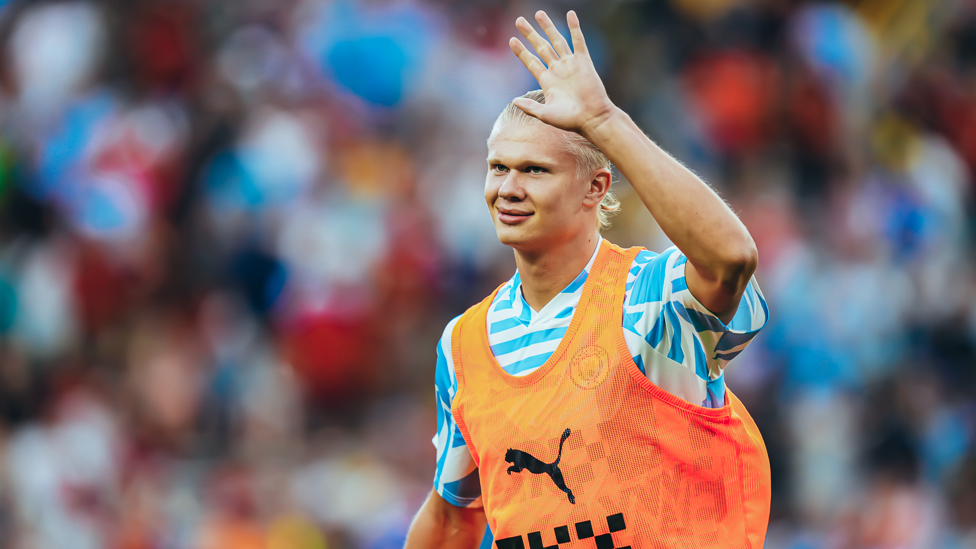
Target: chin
{"x": 511, "y": 236}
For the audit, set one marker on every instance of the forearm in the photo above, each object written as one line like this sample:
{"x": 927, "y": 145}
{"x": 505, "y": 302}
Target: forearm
{"x": 721, "y": 253}
{"x": 440, "y": 524}
{"x": 697, "y": 221}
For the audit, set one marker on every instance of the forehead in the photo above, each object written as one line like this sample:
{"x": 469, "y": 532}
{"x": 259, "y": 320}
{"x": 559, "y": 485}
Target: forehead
{"x": 529, "y": 141}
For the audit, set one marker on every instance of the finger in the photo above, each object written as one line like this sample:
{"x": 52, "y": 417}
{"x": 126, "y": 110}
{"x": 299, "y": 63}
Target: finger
{"x": 529, "y": 107}
{"x": 558, "y": 42}
{"x": 540, "y": 44}
{"x": 530, "y": 61}
{"x": 579, "y": 44}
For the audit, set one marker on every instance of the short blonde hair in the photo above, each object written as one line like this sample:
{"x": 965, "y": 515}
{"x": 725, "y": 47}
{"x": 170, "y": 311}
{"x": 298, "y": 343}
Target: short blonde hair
{"x": 588, "y": 157}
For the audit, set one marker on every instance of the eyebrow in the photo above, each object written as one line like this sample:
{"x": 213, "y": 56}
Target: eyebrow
{"x": 530, "y": 162}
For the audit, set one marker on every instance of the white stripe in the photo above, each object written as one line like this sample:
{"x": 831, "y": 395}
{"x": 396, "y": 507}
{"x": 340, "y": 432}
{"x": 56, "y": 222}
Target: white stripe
{"x": 456, "y": 467}
{"x": 678, "y": 379}
{"x": 518, "y": 331}
{"x": 448, "y": 353}
{"x": 527, "y": 352}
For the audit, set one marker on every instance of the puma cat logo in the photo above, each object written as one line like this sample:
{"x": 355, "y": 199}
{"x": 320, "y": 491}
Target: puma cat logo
{"x": 524, "y": 460}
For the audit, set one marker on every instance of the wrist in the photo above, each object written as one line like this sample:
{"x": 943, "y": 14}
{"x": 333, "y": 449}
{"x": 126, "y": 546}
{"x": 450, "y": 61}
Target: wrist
{"x": 593, "y": 128}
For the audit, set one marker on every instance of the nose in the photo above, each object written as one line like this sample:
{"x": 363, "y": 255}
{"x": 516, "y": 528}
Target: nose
{"x": 512, "y": 188}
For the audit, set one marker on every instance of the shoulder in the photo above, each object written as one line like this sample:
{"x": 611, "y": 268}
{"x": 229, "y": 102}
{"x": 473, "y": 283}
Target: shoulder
{"x": 647, "y": 258}
{"x": 650, "y": 272}
{"x": 445, "y": 378}
{"x": 444, "y": 344}
{"x": 499, "y": 299}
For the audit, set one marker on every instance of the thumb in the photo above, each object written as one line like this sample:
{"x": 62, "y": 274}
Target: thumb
{"x": 529, "y": 107}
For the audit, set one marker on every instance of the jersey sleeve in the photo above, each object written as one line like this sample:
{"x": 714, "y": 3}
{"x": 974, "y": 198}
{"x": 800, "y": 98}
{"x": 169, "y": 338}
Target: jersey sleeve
{"x": 678, "y": 343}
{"x": 456, "y": 478}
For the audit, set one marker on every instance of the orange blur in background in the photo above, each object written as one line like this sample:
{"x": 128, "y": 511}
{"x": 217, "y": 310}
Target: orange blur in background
{"x": 231, "y": 233}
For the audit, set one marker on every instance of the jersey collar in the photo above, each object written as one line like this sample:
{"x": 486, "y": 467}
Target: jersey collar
{"x": 567, "y": 298}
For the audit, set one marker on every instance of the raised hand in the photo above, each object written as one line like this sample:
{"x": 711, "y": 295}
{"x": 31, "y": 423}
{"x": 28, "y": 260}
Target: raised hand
{"x": 575, "y": 97}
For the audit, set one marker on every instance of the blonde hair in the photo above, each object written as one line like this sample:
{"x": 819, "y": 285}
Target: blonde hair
{"x": 588, "y": 157}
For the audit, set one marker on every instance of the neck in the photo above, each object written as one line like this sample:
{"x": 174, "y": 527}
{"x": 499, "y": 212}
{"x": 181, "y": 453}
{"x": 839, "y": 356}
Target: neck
{"x": 544, "y": 274}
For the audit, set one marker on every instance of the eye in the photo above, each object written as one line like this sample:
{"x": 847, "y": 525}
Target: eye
{"x": 499, "y": 168}
{"x": 535, "y": 170}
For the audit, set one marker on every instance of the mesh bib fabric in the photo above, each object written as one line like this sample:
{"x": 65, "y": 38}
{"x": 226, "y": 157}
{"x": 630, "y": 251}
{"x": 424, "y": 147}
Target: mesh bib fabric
{"x": 587, "y": 452}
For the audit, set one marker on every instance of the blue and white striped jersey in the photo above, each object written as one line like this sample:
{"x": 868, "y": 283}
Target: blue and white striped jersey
{"x": 676, "y": 342}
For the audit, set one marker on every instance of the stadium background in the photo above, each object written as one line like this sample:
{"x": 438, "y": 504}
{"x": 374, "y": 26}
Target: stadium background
{"x": 232, "y": 231}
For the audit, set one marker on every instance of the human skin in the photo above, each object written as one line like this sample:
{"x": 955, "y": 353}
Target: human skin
{"x": 721, "y": 253}
{"x": 530, "y": 173}
{"x": 548, "y": 214}
{"x": 441, "y": 524}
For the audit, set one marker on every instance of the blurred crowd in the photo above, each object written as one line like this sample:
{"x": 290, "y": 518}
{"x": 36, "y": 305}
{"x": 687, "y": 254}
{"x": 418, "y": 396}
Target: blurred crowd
{"x": 231, "y": 232}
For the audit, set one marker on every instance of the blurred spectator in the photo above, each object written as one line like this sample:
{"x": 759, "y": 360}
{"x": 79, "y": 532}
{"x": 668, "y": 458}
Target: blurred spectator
{"x": 232, "y": 232}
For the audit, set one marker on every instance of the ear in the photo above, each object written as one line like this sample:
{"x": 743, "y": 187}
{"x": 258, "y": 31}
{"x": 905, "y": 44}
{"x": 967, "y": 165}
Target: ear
{"x": 598, "y": 187}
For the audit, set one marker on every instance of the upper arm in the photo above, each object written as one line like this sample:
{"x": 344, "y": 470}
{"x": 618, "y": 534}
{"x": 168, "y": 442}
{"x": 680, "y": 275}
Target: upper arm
{"x": 452, "y": 515}
{"x": 456, "y": 479}
{"x": 721, "y": 293}
{"x": 678, "y": 342}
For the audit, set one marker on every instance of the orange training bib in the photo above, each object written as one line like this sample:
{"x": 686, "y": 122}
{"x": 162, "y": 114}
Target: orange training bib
{"x": 587, "y": 452}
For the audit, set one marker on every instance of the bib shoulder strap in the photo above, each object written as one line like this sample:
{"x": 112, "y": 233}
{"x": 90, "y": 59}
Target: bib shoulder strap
{"x": 463, "y": 330}
{"x": 464, "y": 338}
{"x": 615, "y": 265}
{"x": 625, "y": 255}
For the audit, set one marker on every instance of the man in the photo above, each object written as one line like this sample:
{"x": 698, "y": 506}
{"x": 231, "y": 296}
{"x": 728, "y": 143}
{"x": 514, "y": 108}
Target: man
{"x": 585, "y": 397}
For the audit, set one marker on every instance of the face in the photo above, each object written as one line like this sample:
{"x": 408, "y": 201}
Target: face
{"x": 532, "y": 189}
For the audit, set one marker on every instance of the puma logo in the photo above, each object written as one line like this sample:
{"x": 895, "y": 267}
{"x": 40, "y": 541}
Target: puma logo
{"x": 523, "y": 460}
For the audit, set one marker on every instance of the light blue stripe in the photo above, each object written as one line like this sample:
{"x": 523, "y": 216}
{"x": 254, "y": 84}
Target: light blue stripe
{"x": 445, "y": 420}
{"x": 442, "y": 374}
{"x": 716, "y": 392}
{"x": 503, "y": 325}
{"x": 678, "y": 285}
{"x": 643, "y": 257}
{"x": 639, "y": 361}
{"x": 520, "y": 366}
{"x": 701, "y": 363}
{"x": 444, "y": 452}
{"x": 464, "y": 491}
{"x": 650, "y": 276}
{"x": 675, "y": 353}
{"x": 742, "y": 321}
{"x": 502, "y": 293}
{"x": 731, "y": 340}
{"x": 488, "y": 541}
{"x": 631, "y": 320}
{"x": 656, "y": 334}
{"x": 525, "y": 316}
{"x": 515, "y": 283}
{"x": 502, "y": 305}
{"x": 458, "y": 439}
{"x": 703, "y": 322}
{"x": 576, "y": 284}
{"x": 649, "y": 285}
{"x": 526, "y": 340}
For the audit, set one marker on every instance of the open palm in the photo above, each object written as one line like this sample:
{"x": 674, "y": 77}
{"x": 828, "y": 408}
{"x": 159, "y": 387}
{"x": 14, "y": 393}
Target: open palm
{"x": 575, "y": 97}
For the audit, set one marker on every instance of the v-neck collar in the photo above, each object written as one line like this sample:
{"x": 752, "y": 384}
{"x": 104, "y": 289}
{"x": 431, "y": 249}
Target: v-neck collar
{"x": 524, "y": 313}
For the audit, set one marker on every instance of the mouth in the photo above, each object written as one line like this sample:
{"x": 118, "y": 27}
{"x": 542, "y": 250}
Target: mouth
{"x": 512, "y": 217}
